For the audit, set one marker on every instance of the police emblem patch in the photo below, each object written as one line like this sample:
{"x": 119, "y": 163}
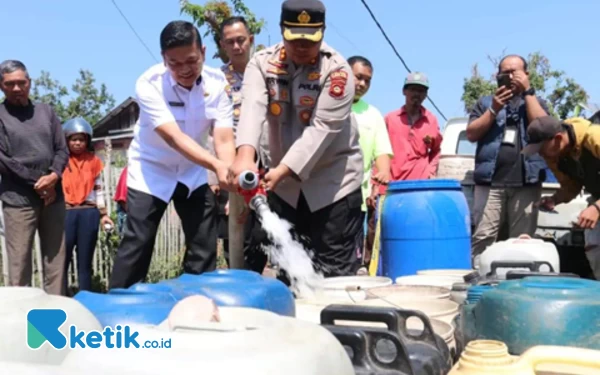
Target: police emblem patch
{"x": 307, "y": 101}
{"x": 305, "y": 116}
{"x": 337, "y": 90}
{"x": 304, "y": 17}
{"x": 275, "y": 109}
{"x": 283, "y": 94}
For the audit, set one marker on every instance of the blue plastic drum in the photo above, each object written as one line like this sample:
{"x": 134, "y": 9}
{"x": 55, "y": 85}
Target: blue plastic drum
{"x": 425, "y": 224}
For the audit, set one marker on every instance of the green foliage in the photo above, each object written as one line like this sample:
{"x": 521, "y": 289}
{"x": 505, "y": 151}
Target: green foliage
{"x": 119, "y": 161}
{"x": 476, "y": 87}
{"x": 213, "y": 13}
{"x": 165, "y": 269}
{"x": 85, "y": 99}
{"x": 562, "y": 93}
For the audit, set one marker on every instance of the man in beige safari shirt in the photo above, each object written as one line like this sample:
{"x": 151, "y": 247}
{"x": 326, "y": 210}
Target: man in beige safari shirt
{"x": 236, "y": 222}
{"x": 305, "y": 89}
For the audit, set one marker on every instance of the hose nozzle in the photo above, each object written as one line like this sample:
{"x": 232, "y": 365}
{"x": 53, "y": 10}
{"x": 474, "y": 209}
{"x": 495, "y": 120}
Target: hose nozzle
{"x": 248, "y": 180}
{"x": 259, "y": 204}
{"x": 254, "y": 195}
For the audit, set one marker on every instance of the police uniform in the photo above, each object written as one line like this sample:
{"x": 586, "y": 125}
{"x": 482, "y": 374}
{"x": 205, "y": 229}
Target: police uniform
{"x": 311, "y": 130}
{"x": 239, "y": 232}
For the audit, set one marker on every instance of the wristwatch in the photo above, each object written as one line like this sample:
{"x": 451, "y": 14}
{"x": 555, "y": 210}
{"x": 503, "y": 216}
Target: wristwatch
{"x": 531, "y": 91}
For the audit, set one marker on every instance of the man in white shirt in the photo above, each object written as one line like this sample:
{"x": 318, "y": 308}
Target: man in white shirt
{"x": 168, "y": 158}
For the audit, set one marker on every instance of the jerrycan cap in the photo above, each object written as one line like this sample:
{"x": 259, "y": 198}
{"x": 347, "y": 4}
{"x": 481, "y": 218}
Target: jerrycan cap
{"x": 474, "y": 293}
{"x": 485, "y": 353}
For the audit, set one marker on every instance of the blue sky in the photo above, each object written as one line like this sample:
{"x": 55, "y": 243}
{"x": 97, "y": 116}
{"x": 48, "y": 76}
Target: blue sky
{"x": 441, "y": 38}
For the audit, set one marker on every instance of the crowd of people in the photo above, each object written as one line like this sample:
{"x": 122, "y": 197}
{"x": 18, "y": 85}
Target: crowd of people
{"x": 295, "y": 113}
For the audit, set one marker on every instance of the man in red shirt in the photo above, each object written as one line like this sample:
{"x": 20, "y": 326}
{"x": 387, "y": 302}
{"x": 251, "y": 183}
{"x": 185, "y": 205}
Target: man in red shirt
{"x": 416, "y": 140}
{"x": 414, "y": 133}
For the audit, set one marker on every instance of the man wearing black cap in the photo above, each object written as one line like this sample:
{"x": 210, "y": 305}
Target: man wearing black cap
{"x": 572, "y": 151}
{"x": 305, "y": 90}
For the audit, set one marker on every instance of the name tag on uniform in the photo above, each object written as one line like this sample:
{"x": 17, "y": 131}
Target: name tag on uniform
{"x": 176, "y": 104}
{"x": 510, "y": 136}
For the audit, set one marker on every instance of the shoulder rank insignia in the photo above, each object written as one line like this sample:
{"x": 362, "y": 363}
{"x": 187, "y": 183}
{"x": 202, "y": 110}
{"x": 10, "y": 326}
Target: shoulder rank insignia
{"x": 277, "y": 71}
{"x": 314, "y": 76}
{"x": 278, "y": 64}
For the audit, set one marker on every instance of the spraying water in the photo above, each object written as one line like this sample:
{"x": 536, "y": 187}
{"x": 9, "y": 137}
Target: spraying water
{"x": 285, "y": 251}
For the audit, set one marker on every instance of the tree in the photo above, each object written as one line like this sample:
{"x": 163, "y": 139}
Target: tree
{"x": 86, "y": 100}
{"x": 214, "y": 12}
{"x": 563, "y": 95}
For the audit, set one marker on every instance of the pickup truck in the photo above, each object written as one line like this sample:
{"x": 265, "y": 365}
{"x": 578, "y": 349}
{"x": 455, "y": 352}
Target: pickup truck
{"x": 457, "y": 161}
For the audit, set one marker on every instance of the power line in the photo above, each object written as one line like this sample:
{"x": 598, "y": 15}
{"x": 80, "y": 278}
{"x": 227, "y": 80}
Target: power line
{"x": 338, "y": 32}
{"x": 135, "y": 32}
{"x": 397, "y": 53}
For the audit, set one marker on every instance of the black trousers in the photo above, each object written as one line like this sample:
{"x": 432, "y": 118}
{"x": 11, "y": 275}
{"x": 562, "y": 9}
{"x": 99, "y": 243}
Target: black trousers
{"x": 81, "y": 231}
{"x": 334, "y": 233}
{"x": 198, "y": 215}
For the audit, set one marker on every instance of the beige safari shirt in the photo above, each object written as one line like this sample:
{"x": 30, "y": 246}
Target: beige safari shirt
{"x": 234, "y": 90}
{"x": 311, "y": 130}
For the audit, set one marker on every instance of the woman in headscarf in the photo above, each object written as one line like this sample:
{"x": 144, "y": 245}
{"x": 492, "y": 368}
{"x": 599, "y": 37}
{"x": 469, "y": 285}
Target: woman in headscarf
{"x": 84, "y": 197}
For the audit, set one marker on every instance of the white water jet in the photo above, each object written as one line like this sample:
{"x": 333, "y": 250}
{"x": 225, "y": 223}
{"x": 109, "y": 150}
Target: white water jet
{"x": 290, "y": 256}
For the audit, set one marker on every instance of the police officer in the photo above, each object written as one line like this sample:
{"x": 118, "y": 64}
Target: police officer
{"x": 305, "y": 89}
{"x": 234, "y": 227}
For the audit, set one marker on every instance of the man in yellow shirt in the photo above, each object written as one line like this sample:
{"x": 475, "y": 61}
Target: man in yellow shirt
{"x": 374, "y": 142}
{"x": 572, "y": 151}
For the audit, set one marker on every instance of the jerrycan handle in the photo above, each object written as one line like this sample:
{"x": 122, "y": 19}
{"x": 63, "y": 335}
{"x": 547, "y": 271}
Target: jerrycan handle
{"x": 519, "y": 274}
{"x": 363, "y": 343}
{"x": 210, "y": 327}
{"x": 531, "y": 265}
{"x": 394, "y": 318}
{"x": 566, "y": 355}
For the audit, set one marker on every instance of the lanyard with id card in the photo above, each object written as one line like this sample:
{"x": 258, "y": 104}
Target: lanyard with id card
{"x": 510, "y": 136}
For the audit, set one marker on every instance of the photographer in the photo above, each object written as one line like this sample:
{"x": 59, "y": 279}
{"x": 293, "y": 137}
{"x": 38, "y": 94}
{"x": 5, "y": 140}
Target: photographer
{"x": 507, "y": 183}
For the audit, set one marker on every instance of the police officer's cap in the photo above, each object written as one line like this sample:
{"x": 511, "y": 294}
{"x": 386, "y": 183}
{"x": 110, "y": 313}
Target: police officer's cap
{"x": 303, "y": 19}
